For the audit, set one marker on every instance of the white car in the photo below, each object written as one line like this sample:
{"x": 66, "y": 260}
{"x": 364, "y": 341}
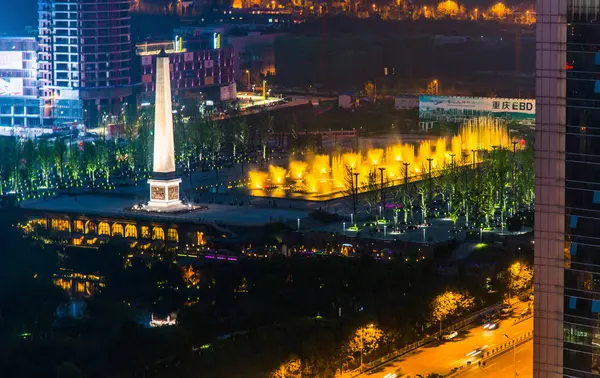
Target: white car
{"x": 476, "y": 351}
{"x": 491, "y": 325}
{"x": 450, "y": 336}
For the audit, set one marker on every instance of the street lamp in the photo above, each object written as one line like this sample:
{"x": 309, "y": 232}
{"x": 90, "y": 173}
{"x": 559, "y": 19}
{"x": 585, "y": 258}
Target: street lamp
{"x": 248, "y": 73}
{"x": 437, "y": 87}
{"x": 344, "y": 225}
{"x": 298, "y": 224}
{"x": 514, "y": 354}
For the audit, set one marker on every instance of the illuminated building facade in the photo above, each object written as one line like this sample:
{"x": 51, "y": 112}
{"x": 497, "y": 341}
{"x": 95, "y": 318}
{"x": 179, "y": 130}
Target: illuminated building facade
{"x": 567, "y": 219}
{"x": 84, "y": 58}
{"x": 19, "y": 104}
{"x": 254, "y": 50}
{"x": 142, "y": 232}
{"x": 196, "y": 65}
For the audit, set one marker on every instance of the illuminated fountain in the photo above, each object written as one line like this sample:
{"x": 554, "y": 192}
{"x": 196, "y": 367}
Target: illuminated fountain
{"x": 322, "y": 176}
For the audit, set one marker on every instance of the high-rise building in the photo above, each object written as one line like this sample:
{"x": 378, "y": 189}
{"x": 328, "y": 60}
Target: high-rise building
{"x": 19, "y": 104}
{"x": 567, "y": 193}
{"x": 84, "y": 58}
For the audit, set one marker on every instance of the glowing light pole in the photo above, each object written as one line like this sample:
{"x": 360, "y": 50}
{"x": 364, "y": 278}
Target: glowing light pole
{"x": 298, "y": 224}
{"x": 248, "y": 73}
{"x": 344, "y": 225}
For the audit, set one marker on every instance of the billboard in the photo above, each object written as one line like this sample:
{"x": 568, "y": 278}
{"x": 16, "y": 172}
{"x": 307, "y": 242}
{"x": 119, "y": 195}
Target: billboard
{"x": 11, "y": 60}
{"x": 458, "y": 107}
{"x": 12, "y": 86}
{"x": 228, "y": 92}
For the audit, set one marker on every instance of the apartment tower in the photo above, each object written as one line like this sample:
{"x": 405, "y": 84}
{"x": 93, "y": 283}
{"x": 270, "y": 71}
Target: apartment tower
{"x": 84, "y": 58}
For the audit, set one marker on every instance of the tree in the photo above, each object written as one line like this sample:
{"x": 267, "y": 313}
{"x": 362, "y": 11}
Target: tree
{"x": 190, "y": 276}
{"x": 370, "y": 90}
{"x": 60, "y": 156}
{"x": 450, "y": 303}
{"x": 90, "y": 160}
{"x": 292, "y": 368}
{"x": 28, "y": 153}
{"x": 350, "y": 191}
{"x": 74, "y": 163}
{"x": 371, "y": 196}
{"x": 45, "y": 159}
{"x": 265, "y": 130}
{"x": 520, "y": 276}
{"x": 364, "y": 341}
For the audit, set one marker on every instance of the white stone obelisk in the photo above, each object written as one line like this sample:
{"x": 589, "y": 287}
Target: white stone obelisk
{"x": 164, "y": 185}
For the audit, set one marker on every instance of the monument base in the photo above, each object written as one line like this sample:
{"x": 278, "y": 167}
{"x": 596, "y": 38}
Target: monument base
{"x": 164, "y": 196}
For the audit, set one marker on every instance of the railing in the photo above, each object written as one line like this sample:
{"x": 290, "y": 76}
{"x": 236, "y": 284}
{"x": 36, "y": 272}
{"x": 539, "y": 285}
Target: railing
{"x": 409, "y": 348}
{"x": 497, "y": 351}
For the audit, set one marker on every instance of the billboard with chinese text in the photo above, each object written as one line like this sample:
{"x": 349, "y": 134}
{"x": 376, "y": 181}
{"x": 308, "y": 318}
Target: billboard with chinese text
{"x": 455, "y": 108}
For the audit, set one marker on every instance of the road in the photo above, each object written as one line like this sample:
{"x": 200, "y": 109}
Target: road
{"x": 441, "y": 357}
{"x": 502, "y": 366}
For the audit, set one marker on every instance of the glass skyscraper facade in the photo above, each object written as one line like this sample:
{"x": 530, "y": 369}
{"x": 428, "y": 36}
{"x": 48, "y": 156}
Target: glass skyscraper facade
{"x": 581, "y": 357}
{"x": 567, "y": 228}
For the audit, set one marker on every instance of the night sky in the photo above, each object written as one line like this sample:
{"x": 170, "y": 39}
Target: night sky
{"x": 16, "y": 14}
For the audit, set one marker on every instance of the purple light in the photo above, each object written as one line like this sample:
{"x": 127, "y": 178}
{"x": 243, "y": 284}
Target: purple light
{"x": 209, "y": 257}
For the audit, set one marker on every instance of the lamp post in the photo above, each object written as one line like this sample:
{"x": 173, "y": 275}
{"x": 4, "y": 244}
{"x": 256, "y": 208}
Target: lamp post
{"x": 248, "y": 74}
{"x": 344, "y": 226}
{"x": 298, "y": 224}
{"x": 355, "y": 191}
{"x": 514, "y": 354}
{"x": 429, "y": 160}
{"x": 381, "y": 169}
{"x": 437, "y": 87}
{"x": 405, "y": 190}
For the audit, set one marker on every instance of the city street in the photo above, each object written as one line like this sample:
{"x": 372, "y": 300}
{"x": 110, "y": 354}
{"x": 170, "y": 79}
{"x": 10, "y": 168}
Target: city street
{"x": 441, "y": 357}
{"x": 502, "y": 366}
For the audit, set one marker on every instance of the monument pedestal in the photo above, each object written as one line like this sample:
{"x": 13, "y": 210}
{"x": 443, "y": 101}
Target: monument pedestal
{"x": 164, "y": 195}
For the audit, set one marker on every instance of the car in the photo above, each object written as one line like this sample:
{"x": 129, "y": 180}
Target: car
{"x": 526, "y": 311}
{"x": 491, "y": 325}
{"x": 412, "y": 227}
{"x": 454, "y": 230}
{"x": 477, "y": 351}
{"x": 506, "y": 310}
{"x": 450, "y": 335}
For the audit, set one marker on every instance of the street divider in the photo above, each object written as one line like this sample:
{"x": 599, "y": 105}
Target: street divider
{"x": 495, "y": 352}
{"x": 507, "y": 346}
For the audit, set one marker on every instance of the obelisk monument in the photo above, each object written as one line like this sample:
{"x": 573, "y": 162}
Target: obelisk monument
{"x": 164, "y": 185}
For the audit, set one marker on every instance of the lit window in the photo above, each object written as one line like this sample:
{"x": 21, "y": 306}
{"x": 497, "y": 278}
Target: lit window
{"x": 200, "y": 238}
{"x": 131, "y": 231}
{"x": 78, "y": 225}
{"x": 60, "y": 224}
{"x": 117, "y": 229}
{"x": 90, "y": 227}
{"x": 158, "y": 233}
{"x": 145, "y": 232}
{"x": 103, "y": 229}
{"x": 172, "y": 235}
